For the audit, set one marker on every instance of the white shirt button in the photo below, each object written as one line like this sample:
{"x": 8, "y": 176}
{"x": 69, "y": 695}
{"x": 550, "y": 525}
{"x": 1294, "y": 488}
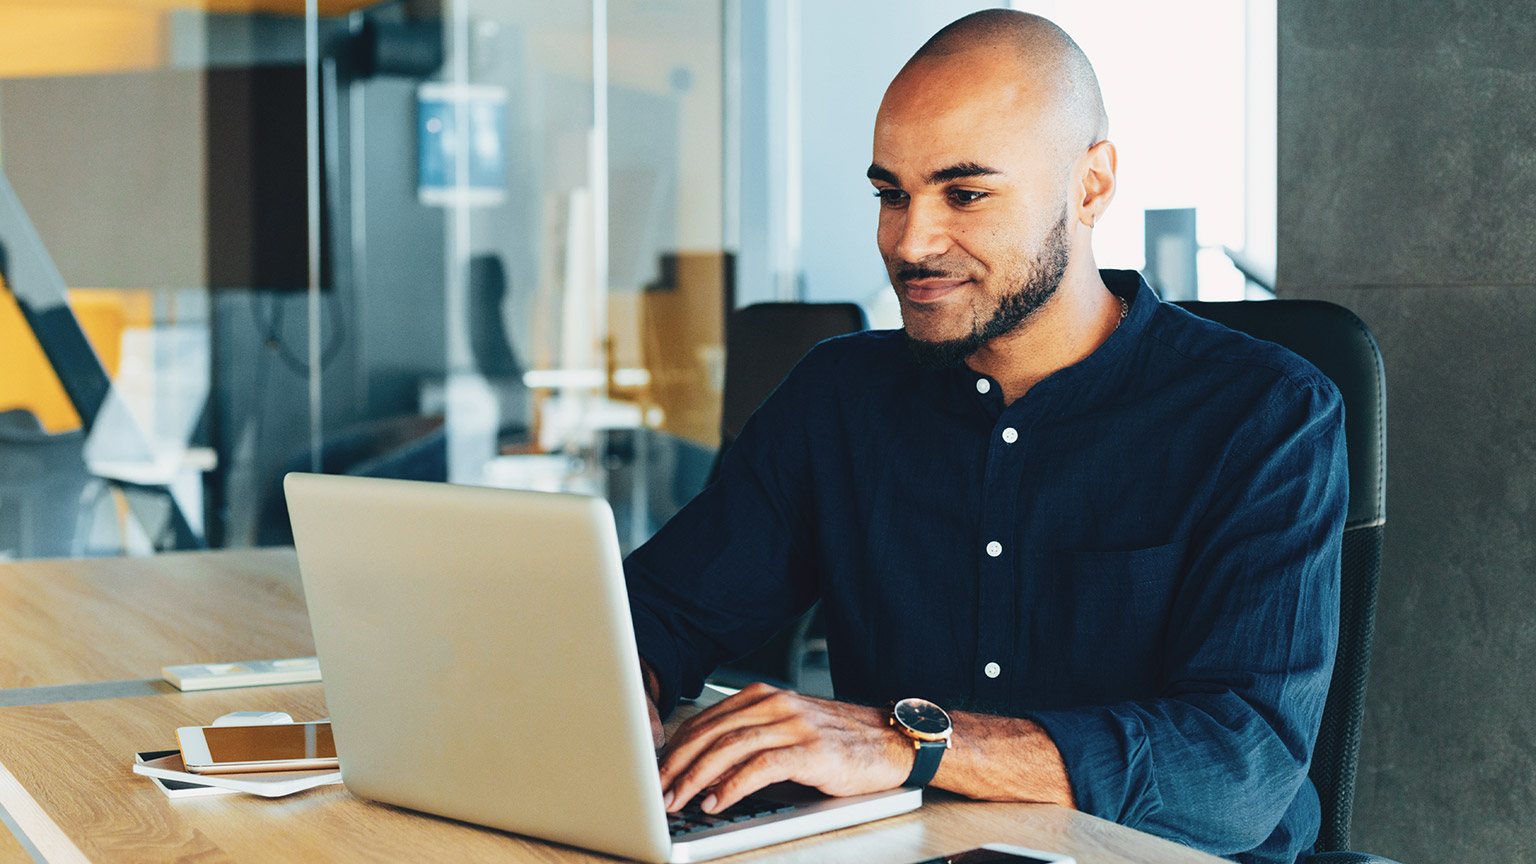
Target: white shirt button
{"x": 993, "y": 670}
{"x": 994, "y": 548}
{"x": 1010, "y": 435}
{"x": 983, "y": 385}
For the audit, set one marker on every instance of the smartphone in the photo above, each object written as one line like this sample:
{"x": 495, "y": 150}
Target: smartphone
{"x": 998, "y": 853}
{"x": 235, "y": 749}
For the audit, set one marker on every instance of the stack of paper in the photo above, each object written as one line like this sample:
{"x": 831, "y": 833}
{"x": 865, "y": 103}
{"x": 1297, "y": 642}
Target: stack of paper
{"x": 178, "y": 782}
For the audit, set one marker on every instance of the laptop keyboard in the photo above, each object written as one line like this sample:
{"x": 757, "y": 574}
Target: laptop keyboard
{"x": 693, "y": 818}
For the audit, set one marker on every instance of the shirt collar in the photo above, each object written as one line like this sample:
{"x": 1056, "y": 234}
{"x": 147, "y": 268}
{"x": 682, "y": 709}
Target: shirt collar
{"x": 1092, "y": 372}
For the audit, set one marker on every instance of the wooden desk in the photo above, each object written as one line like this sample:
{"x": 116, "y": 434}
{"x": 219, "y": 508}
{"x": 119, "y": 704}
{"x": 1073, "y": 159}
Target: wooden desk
{"x": 11, "y": 851}
{"x": 67, "y": 782}
{"x": 99, "y": 620}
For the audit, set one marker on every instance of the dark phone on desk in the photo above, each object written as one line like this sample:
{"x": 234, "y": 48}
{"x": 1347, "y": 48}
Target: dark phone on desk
{"x": 998, "y": 853}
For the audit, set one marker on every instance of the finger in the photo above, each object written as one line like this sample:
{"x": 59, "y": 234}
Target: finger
{"x": 750, "y": 695}
{"x": 763, "y": 769}
{"x": 729, "y": 753}
{"x": 694, "y": 738}
{"x": 697, "y": 731}
{"x": 658, "y": 733}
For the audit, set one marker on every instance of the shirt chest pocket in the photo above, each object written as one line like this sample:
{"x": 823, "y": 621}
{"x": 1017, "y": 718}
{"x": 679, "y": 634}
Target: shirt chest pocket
{"x": 1109, "y": 614}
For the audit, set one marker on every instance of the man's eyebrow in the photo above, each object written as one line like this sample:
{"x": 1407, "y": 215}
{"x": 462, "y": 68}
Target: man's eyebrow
{"x": 943, "y": 175}
{"x": 955, "y": 172}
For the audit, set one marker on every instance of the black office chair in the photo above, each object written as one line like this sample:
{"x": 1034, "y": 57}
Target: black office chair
{"x": 406, "y": 447}
{"x": 1337, "y": 342}
{"x": 763, "y": 342}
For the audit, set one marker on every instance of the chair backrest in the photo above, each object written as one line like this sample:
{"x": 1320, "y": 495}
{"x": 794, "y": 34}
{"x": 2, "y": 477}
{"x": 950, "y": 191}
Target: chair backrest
{"x": 1337, "y": 342}
{"x": 764, "y": 341}
{"x": 42, "y": 479}
{"x": 405, "y": 447}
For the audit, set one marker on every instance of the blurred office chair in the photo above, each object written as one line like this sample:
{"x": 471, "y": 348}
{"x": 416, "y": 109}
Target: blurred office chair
{"x": 1337, "y": 342}
{"x": 491, "y": 346}
{"x": 488, "y": 341}
{"x": 763, "y": 342}
{"x": 408, "y": 447}
{"x": 43, "y": 485}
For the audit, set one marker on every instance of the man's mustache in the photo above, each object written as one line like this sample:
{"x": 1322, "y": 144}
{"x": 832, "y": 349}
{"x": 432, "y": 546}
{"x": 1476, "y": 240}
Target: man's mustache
{"x": 917, "y": 271}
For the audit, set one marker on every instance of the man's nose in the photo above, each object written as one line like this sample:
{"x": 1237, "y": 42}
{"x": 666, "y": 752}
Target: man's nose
{"x": 924, "y": 232}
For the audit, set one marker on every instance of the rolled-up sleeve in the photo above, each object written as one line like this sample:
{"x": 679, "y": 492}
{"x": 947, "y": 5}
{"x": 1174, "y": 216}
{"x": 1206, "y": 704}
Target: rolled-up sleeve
{"x": 1218, "y": 757}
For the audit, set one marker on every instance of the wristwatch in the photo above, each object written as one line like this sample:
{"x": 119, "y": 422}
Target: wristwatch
{"x": 929, "y": 728}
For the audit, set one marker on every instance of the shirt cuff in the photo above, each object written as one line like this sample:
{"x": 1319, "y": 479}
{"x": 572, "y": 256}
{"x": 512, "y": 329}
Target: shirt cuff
{"x": 657, "y": 648}
{"x": 1109, "y": 763}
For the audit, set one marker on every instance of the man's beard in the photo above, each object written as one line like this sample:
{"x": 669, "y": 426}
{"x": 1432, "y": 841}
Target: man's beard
{"x": 1012, "y": 310}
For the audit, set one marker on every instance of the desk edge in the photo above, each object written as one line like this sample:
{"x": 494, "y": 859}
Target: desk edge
{"x": 39, "y": 835}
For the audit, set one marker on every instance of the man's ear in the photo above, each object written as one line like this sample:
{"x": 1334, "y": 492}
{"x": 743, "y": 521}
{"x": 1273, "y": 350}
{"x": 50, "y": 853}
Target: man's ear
{"x": 1097, "y": 187}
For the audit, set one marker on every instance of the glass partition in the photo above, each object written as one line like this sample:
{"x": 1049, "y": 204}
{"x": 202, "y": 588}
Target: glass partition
{"x": 480, "y": 241}
{"x": 153, "y": 175}
{"x": 587, "y": 285}
{"x": 475, "y": 241}
{"x": 521, "y": 224}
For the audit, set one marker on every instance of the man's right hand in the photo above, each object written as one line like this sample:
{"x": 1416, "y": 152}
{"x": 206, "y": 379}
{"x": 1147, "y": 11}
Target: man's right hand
{"x": 658, "y": 735}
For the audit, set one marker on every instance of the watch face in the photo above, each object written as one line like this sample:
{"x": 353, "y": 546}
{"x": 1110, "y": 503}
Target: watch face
{"x": 922, "y": 716}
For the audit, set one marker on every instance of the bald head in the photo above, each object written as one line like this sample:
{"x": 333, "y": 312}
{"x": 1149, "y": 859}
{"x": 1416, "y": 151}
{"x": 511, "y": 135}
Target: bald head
{"x": 1036, "y": 54}
{"x": 992, "y": 167}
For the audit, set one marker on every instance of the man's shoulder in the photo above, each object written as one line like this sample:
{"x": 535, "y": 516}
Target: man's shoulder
{"x": 863, "y": 343}
{"x": 838, "y": 369}
{"x": 1233, "y": 356}
{"x": 857, "y": 353}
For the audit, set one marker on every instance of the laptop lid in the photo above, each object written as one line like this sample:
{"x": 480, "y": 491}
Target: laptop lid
{"x": 478, "y": 657}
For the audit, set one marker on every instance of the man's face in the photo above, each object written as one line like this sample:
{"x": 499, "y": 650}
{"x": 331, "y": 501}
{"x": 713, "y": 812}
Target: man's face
{"x": 974, "y": 222}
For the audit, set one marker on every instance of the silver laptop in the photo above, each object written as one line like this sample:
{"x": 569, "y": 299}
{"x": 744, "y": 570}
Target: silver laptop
{"x": 480, "y": 664}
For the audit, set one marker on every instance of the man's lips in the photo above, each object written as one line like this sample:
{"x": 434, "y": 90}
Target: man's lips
{"x": 930, "y": 289}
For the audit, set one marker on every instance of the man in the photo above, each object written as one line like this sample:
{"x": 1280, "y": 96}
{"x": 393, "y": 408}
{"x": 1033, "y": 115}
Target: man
{"x": 1101, "y": 532}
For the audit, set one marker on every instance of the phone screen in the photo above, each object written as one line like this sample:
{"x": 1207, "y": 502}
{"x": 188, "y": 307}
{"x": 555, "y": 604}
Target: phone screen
{"x": 280, "y": 743}
{"x": 985, "y": 856}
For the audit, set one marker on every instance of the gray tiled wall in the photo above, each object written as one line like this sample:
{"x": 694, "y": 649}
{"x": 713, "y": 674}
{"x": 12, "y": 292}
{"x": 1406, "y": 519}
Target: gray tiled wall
{"x": 1408, "y": 142}
{"x": 1407, "y": 184}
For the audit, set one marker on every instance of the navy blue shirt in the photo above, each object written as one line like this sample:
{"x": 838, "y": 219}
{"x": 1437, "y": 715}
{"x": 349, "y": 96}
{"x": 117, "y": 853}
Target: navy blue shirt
{"x": 1141, "y": 554}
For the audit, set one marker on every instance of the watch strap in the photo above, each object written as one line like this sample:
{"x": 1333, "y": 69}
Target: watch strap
{"x": 925, "y": 764}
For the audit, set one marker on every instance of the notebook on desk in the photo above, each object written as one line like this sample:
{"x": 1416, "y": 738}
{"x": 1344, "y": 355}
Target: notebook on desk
{"x": 480, "y": 664}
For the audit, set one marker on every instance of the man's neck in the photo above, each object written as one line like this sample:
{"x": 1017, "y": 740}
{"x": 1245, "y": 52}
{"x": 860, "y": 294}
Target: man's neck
{"x": 1077, "y": 320}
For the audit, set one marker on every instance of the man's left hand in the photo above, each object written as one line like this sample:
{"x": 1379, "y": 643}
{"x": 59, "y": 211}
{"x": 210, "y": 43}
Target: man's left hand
{"x": 764, "y": 735}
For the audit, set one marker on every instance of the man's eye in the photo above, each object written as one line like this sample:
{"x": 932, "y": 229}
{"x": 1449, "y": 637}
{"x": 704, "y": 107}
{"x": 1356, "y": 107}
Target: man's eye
{"x": 966, "y": 196}
{"x": 891, "y": 197}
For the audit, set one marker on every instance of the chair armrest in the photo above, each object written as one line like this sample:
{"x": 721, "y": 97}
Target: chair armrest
{"x": 1348, "y": 858}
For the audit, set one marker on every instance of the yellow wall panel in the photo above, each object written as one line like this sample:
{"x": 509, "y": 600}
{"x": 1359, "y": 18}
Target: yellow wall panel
{"x": 40, "y": 39}
{"x": 26, "y": 378}
{"x": 82, "y": 37}
{"x": 280, "y": 7}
